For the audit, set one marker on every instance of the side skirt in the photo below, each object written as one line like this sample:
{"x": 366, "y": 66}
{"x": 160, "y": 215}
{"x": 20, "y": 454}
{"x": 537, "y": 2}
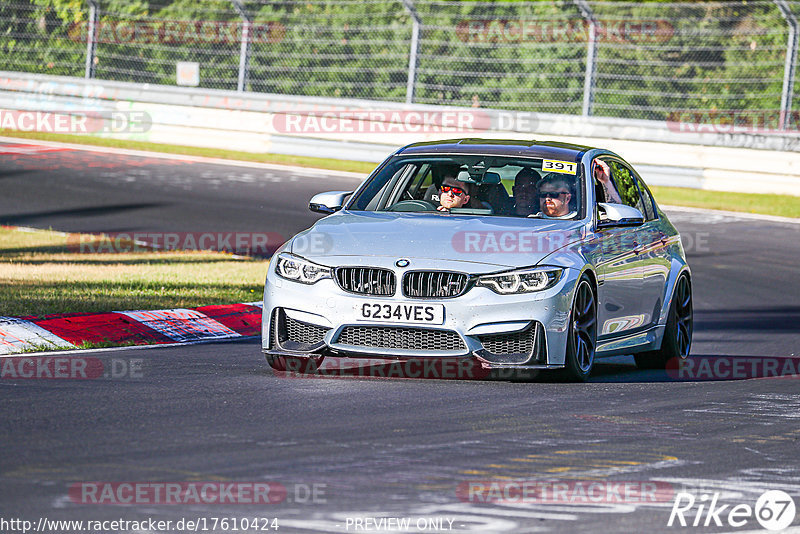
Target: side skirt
{"x": 649, "y": 339}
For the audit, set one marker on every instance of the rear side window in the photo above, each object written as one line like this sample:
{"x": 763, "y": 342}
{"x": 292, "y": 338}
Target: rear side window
{"x": 632, "y": 190}
{"x": 647, "y": 198}
{"x": 648, "y": 205}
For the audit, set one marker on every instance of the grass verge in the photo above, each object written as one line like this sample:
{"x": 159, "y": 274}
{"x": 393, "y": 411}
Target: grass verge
{"x": 40, "y": 274}
{"x": 780, "y": 205}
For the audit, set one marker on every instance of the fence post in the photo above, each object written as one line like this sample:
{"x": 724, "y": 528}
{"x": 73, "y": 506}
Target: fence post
{"x": 414, "y": 50}
{"x": 591, "y": 49}
{"x": 244, "y": 51}
{"x": 788, "y": 69}
{"x": 91, "y": 38}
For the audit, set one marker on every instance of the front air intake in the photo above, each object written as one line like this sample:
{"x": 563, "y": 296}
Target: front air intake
{"x": 399, "y": 337}
{"x": 291, "y": 334}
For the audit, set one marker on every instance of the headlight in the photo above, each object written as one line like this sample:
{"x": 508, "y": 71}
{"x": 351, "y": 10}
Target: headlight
{"x": 296, "y": 268}
{"x": 521, "y": 281}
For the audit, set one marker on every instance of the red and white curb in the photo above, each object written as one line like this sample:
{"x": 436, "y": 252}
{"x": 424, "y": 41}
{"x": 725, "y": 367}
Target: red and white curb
{"x": 145, "y": 327}
{"x": 17, "y": 149}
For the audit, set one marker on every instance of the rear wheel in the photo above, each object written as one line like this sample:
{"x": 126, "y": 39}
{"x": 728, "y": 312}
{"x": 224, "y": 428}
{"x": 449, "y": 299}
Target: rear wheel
{"x": 678, "y": 334}
{"x": 294, "y": 364}
{"x": 582, "y": 335}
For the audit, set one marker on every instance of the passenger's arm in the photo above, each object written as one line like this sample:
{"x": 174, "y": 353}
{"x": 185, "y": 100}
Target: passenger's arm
{"x": 602, "y": 173}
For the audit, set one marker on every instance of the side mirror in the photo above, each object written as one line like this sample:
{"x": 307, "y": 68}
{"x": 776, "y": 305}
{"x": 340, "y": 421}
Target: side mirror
{"x": 614, "y": 215}
{"x": 328, "y": 202}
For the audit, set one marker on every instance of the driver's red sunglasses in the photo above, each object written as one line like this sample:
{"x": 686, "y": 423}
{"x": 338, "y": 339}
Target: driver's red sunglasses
{"x": 457, "y": 191}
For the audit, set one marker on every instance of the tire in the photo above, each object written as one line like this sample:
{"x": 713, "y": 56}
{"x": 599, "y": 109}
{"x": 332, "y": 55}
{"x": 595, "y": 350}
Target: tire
{"x": 677, "y": 340}
{"x": 294, "y": 364}
{"x": 582, "y": 335}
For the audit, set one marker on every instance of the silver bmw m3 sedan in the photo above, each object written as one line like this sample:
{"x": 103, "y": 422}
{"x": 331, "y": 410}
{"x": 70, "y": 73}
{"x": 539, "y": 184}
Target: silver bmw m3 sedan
{"x": 509, "y": 254}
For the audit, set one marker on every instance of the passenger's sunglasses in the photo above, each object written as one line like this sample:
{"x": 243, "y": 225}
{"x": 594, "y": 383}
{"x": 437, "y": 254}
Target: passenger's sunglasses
{"x": 457, "y": 191}
{"x": 552, "y": 194}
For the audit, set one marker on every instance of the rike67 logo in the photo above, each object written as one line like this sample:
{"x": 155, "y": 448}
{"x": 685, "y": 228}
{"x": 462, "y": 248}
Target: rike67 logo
{"x": 774, "y": 510}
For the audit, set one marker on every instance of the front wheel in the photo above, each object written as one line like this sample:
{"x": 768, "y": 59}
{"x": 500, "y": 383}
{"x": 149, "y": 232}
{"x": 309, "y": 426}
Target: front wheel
{"x": 582, "y": 335}
{"x": 678, "y": 334}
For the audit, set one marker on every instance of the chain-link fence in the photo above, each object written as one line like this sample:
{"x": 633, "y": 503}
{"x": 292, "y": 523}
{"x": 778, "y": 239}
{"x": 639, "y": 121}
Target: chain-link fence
{"x": 644, "y": 60}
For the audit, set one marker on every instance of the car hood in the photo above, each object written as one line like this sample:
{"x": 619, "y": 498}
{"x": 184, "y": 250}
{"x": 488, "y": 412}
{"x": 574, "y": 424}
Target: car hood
{"x": 355, "y": 237}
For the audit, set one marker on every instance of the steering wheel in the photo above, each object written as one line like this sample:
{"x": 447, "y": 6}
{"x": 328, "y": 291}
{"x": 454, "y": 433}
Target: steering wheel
{"x": 412, "y": 205}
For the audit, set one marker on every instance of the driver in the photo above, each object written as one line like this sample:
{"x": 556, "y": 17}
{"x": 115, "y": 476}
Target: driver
{"x": 453, "y": 194}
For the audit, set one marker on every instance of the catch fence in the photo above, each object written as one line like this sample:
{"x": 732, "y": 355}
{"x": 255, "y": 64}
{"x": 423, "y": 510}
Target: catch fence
{"x": 645, "y": 60}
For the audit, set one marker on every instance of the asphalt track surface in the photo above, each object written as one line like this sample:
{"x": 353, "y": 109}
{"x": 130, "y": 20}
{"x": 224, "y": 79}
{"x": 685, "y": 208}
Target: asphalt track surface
{"x": 379, "y": 448}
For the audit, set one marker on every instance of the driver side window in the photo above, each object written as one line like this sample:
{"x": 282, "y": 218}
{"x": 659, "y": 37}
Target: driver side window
{"x": 419, "y": 184}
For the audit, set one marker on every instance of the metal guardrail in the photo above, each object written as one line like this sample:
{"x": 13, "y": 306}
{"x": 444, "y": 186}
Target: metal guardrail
{"x": 35, "y": 91}
{"x": 237, "y": 121}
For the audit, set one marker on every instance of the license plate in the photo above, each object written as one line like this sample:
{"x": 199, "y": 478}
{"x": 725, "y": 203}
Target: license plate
{"x": 400, "y": 313}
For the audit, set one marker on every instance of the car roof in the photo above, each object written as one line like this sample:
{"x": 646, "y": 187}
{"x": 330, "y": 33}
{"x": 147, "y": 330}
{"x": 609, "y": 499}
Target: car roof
{"x": 499, "y": 147}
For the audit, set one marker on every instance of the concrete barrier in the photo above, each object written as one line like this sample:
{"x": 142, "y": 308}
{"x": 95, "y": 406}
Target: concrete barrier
{"x": 674, "y": 154}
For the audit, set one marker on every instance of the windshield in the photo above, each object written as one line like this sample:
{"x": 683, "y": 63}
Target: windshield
{"x": 475, "y": 185}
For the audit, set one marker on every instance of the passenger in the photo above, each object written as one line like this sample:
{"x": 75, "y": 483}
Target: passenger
{"x": 555, "y": 194}
{"x": 524, "y": 191}
{"x": 602, "y": 173}
{"x": 495, "y": 197}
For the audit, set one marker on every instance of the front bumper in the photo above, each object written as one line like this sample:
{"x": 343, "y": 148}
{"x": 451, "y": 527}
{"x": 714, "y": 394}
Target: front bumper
{"x": 518, "y": 331}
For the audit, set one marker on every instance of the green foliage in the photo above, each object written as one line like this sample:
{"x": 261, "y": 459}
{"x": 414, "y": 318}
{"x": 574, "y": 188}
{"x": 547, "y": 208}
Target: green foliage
{"x": 34, "y": 36}
{"x": 625, "y": 184}
{"x": 653, "y": 58}
{"x": 66, "y": 10}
